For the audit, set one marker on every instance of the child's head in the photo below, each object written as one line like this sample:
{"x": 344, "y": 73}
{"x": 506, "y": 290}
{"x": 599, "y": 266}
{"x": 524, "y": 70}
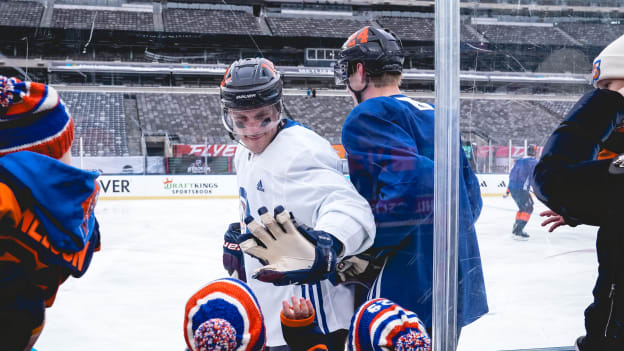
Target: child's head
{"x": 33, "y": 118}
{"x": 224, "y": 315}
{"x": 382, "y": 325}
{"x": 608, "y": 70}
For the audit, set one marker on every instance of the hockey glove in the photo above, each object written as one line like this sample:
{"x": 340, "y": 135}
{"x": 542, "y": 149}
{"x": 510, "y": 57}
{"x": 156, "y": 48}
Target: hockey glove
{"x": 361, "y": 269}
{"x": 294, "y": 254}
{"x": 232, "y": 255}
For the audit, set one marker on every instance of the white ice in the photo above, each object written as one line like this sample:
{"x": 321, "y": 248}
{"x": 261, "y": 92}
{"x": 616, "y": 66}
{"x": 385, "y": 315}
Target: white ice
{"x": 155, "y": 254}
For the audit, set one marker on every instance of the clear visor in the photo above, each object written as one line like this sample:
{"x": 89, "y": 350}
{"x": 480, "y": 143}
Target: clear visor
{"x": 251, "y": 122}
{"x": 341, "y": 72}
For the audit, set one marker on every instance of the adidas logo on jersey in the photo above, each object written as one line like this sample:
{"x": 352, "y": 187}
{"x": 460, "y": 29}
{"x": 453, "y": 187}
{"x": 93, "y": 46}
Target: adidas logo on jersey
{"x": 259, "y": 186}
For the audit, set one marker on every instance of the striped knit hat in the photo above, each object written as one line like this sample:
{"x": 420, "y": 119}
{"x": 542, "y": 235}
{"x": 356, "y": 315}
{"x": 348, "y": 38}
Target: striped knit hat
{"x": 33, "y": 118}
{"x": 224, "y": 315}
{"x": 382, "y": 325}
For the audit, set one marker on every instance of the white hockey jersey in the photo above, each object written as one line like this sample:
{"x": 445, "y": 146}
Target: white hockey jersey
{"x": 301, "y": 171}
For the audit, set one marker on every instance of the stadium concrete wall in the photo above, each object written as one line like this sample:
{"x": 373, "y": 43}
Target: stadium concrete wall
{"x": 139, "y": 187}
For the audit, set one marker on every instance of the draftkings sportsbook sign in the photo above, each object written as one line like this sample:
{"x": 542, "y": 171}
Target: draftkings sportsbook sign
{"x": 166, "y": 187}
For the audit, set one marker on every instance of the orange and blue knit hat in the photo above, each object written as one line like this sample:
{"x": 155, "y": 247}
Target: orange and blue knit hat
{"x": 33, "y": 118}
{"x": 222, "y": 316}
{"x": 382, "y": 325}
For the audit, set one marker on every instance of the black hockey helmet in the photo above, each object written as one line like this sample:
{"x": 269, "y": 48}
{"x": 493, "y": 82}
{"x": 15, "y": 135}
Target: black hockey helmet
{"x": 248, "y": 84}
{"x": 251, "y": 83}
{"x": 379, "y": 50}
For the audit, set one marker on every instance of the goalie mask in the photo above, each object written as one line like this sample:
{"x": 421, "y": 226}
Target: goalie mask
{"x": 251, "y": 101}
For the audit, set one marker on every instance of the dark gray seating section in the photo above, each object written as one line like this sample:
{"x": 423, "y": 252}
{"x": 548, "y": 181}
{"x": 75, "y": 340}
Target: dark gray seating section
{"x": 526, "y": 35}
{"x": 315, "y": 27}
{"x": 210, "y": 21}
{"x": 196, "y": 119}
{"x": 557, "y": 108}
{"x": 21, "y": 13}
{"x": 99, "y": 120}
{"x": 419, "y": 29}
{"x": 112, "y": 20}
{"x": 593, "y": 34}
{"x": 323, "y": 114}
{"x": 507, "y": 119}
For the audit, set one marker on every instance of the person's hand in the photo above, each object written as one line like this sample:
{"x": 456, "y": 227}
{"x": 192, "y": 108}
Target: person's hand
{"x": 301, "y": 309}
{"x": 621, "y": 91}
{"x": 553, "y": 218}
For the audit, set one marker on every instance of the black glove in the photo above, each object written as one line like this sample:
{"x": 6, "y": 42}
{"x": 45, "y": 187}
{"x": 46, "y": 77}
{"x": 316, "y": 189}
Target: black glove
{"x": 232, "y": 255}
{"x": 360, "y": 269}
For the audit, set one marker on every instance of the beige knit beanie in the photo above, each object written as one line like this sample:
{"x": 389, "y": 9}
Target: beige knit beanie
{"x": 610, "y": 62}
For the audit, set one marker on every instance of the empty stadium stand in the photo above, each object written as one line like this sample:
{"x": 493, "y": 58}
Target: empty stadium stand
{"x": 323, "y": 114}
{"x": 105, "y": 122}
{"x": 99, "y": 121}
{"x": 524, "y": 35}
{"x": 315, "y": 27}
{"x": 21, "y": 14}
{"x": 196, "y": 119}
{"x": 557, "y": 108}
{"x": 183, "y": 20}
{"x": 502, "y": 120}
{"x": 593, "y": 34}
{"x": 108, "y": 20}
{"x": 420, "y": 29}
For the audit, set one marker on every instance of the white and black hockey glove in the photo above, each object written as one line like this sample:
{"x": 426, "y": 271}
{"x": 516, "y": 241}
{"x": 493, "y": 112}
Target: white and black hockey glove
{"x": 292, "y": 254}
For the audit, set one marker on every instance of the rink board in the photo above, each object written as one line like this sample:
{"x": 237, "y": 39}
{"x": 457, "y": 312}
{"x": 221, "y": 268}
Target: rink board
{"x": 155, "y": 187}
{"x": 562, "y": 348}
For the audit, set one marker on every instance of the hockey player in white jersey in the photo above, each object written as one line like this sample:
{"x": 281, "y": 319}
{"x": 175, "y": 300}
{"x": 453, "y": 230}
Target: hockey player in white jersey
{"x": 282, "y": 163}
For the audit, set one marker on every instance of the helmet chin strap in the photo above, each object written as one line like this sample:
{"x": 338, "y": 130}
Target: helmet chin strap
{"x": 358, "y": 93}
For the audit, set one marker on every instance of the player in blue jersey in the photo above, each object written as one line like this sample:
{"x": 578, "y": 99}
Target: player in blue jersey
{"x": 580, "y": 189}
{"x": 282, "y": 164}
{"x": 520, "y": 182}
{"x": 389, "y": 142}
{"x": 47, "y": 227}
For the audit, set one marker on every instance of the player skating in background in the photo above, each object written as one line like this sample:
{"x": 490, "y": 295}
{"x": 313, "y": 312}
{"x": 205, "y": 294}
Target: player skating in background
{"x": 583, "y": 190}
{"x": 47, "y": 227}
{"x": 389, "y": 140}
{"x": 280, "y": 162}
{"x": 520, "y": 183}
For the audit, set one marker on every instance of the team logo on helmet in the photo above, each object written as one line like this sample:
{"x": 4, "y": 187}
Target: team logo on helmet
{"x": 359, "y": 37}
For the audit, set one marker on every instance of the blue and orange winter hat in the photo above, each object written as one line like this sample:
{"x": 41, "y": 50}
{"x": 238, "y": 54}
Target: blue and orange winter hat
{"x": 33, "y": 118}
{"x": 224, "y": 315}
{"x": 382, "y": 325}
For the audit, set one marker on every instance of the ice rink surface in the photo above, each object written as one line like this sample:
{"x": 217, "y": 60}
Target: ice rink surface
{"x": 156, "y": 253}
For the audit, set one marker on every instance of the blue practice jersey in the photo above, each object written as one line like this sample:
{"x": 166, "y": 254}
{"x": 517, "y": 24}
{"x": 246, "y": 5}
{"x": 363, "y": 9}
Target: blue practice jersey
{"x": 521, "y": 176}
{"x": 389, "y": 143}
